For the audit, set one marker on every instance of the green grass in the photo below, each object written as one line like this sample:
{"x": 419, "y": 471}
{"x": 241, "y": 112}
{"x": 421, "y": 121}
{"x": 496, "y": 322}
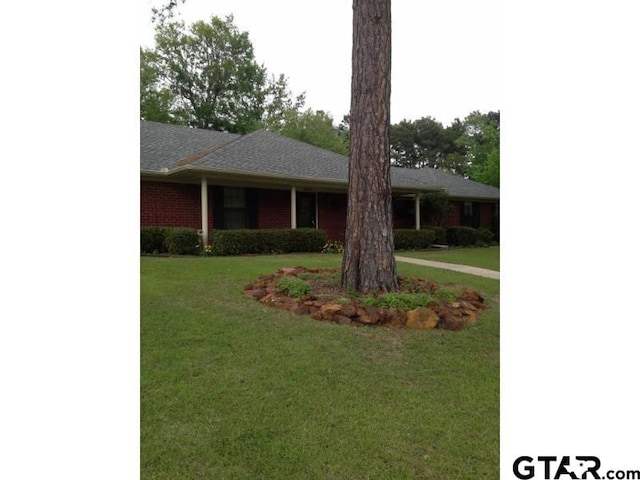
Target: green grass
{"x": 482, "y": 257}
{"x": 232, "y": 389}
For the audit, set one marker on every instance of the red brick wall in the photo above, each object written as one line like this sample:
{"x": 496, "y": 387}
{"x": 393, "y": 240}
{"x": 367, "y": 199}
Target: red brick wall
{"x": 486, "y": 214}
{"x": 170, "y": 205}
{"x": 274, "y": 210}
{"x": 454, "y": 218}
{"x": 178, "y": 205}
{"x": 332, "y": 214}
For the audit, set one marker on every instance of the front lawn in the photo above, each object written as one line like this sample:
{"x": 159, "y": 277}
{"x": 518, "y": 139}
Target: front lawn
{"x": 233, "y": 389}
{"x": 482, "y": 257}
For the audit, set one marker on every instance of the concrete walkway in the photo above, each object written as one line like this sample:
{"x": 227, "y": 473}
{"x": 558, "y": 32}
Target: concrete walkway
{"x": 481, "y": 272}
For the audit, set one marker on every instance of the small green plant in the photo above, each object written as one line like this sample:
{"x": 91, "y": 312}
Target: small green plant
{"x": 446, "y": 295}
{"x": 406, "y": 301}
{"x": 293, "y": 287}
{"x": 333, "y": 246}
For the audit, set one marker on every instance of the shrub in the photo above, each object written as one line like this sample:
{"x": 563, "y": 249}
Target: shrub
{"x": 293, "y": 287}
{"x": 462, "y": 236}
{"x": 242, "y": 242}
{"x": 405, "y": 239}
{"x": 333, "y": 246}
{"x": 182, "y": 241}
{"x": 440, "y": 233}
{"x": 152, "y": 240}
{"x": 485, "y": 236}
{"x": 306, "y": 240}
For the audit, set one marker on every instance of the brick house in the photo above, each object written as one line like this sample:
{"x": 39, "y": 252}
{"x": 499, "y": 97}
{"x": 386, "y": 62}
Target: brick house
{"x": 215, "y": 180}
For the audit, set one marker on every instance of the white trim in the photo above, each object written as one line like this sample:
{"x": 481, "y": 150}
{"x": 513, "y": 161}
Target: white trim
{"x": 293, "y": 208}
{"x": 417, "y": 205}
{"x": 204, "y": 208}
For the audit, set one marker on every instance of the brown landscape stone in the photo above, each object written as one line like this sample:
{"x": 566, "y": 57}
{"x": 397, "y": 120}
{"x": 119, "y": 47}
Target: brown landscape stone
{"x": 327, "y": 302}
{"x": 422, "y": 318}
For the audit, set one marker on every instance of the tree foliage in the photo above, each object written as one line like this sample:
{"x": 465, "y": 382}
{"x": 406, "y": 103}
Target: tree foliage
{"x": 208, "y": 77}
{"x": 481, "y": 141}
{"x": 421, "y": 143}
{"x": 470, "y": 148}
{"x": 315, "y": 128}
{"x": 155, "y": 100}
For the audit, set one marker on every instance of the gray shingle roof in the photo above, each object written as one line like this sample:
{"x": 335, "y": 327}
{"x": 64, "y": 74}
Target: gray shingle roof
{"x": 165, "y": 146}
{"x": 268, "y": 153}
{"x": 273, "y": 154}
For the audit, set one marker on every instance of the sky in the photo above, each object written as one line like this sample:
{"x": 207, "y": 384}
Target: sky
{"x": 444, "y": 52}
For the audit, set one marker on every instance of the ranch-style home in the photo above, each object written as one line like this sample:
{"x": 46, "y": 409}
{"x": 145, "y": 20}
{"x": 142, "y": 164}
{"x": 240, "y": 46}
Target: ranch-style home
{"x": 207, "y": 180}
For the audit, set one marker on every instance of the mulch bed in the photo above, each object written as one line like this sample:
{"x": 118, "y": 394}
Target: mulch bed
{"x": 326, "y": 301}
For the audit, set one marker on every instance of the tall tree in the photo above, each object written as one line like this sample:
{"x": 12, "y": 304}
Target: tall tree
{"x": 315, "y": 128}
{"x": 368, "y": 263}
{"x": 212, "y": 70}
{"x": 426, "y": 143}
{"x": 481, "y": 140}
{"x": 155, "y": 101}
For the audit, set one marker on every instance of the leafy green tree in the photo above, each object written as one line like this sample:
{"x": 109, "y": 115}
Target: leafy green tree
{"x": 481, "y": 141}
{"x": 315, "y": 128}
{"x": 437, "y": 207}
{"x": 426, "y": 143}
{"x": 155, "y": 101}
{"x": 213, "y": 78}
{"x": 280, "y": 107}
{"x": 212, "y": 71}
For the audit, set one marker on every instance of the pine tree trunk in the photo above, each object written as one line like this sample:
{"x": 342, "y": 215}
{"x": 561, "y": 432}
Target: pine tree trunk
{"x": 368, "y": 264}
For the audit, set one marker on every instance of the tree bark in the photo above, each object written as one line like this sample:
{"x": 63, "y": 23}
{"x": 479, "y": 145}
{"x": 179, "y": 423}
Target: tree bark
{"x": 368, "y": 263}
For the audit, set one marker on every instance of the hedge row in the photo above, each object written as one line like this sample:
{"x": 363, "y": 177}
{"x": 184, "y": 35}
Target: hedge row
{"x": 467, "y": 236}
{"x": 453, "y": 236}
{"x": 406, "y": 239}
{"x": 240, "y": 242}
{"x": 176, "y": 241}
{"x": 185, "y": 241}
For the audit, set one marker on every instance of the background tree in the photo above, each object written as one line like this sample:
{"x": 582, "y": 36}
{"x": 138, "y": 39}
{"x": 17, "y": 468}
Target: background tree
{"x": 216, "y": 83}
{"x": 315, "y": 128}
{"x": 481, "y": 141}
{"x": 155, "y": 101}
{"x": 280, "y": 107}
{"x": 426, "y": 143}
{"x": 368, "y": 264}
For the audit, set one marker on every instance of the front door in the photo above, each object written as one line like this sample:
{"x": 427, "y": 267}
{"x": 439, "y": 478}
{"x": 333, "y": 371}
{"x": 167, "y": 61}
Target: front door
{"x": 305, "y": 210}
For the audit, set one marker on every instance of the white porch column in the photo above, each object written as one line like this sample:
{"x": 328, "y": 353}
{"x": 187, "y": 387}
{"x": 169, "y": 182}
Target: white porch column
{"x": 293, "y": 207}
{"x": 417, "y": 209}
{"x": 204, "y": 208}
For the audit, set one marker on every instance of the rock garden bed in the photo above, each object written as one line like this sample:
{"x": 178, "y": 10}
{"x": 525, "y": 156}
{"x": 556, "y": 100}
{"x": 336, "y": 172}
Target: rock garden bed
{"x": 419, "y": 304}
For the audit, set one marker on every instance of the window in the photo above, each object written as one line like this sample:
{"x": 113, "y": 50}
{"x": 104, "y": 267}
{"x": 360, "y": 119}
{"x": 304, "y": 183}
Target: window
{"x": 234, "y": 205}
{"x": 235, "y": 208}
{"x": 470, "y": 215}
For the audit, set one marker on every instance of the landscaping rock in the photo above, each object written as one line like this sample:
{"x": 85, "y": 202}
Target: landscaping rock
{"x": 328, "y": 311}
{"x": 328, "y": 302}
{"x": 368, "y": 315}
{"x": 394, "y": 317}
{"x": 422, "y": 318}
{"x": 348, "y": 310}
